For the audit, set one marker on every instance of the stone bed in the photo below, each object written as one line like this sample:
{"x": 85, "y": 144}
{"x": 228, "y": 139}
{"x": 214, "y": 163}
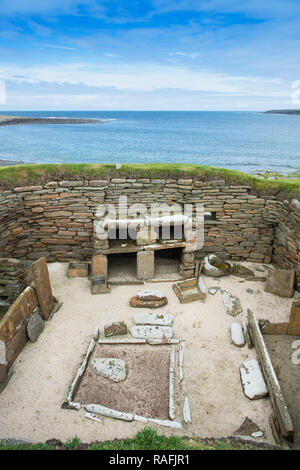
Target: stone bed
{"x": 144, "y": 392}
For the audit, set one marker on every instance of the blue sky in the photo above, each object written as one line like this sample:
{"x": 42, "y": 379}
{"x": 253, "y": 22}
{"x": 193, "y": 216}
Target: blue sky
{"x": 149, "y": 54}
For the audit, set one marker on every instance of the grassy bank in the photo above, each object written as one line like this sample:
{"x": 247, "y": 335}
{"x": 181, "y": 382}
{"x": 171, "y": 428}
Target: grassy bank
{"x": 146, "y": 439}
{"x": 20, "y": 175}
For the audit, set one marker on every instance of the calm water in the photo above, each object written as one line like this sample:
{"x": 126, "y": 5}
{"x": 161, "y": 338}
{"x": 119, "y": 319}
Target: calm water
{"x": 245, "y": 141}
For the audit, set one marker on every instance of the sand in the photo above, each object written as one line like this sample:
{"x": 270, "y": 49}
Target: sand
{"x": 31, "y": 403}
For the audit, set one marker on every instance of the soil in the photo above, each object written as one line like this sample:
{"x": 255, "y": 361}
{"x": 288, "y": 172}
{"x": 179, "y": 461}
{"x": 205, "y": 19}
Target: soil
{"x": 145, "y": 391}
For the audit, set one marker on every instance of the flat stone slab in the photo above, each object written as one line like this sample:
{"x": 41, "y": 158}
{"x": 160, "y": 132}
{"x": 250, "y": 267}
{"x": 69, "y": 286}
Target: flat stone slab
{"x": 35, "y": 326}
{"x": 151, "y": 332}
{"x": 253, "y": 381}
{"x": 109, "y": 367}
{"x": 237, "y": 335}
{"x": 141, "y": 303}
{"x": 150, "y": 294}
{"x": 115, "y": 329}
{"x": 241, "y": 271}
{"x": 249, "y": 428}
{"x": 280, "y": 282}
{"x": 231, "y": 303}
{"x": 153, "y": 319}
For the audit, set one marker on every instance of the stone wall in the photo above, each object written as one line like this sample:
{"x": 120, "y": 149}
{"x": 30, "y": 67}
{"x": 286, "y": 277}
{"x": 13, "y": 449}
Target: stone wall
{"x": 286, "y": 252}
{"x": 12, "y": 282}
{"x": 55, "y": 220}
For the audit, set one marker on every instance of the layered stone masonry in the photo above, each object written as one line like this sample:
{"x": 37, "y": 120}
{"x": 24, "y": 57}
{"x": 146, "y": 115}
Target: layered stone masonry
{"x": 12, "y": 282}
{"x": 286, "y": 251}
{"x": 56, "y": 219}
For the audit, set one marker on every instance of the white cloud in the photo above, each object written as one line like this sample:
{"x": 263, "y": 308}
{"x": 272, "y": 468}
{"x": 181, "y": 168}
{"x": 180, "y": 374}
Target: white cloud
{"x": 146, "y": 77}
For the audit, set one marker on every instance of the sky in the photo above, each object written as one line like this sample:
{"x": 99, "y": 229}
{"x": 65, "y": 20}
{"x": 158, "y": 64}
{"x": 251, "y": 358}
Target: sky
{"x": 149, "y": 54}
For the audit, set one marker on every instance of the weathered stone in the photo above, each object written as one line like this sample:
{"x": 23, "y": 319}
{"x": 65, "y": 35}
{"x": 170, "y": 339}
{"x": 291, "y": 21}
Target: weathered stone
{"x": 145, "y": 265}
{"x": 18, "y": 312}
{"x": 35, "y": 326}
{"x": 186, "y": 411}
{"x": 237, "y": 335}
{"x": 231, "y": 303}
{"x": 110, "y": 413}
{"x": 109, "y": 367}
{"x": 153, "y": 319}
{"x": 98, "y": 285}
{"x": 42, "y": 284}
{"x": 146, "y": 236}
{"x": 99, "y": 265}
{"x": 78, "y": 269}
{"x": 190, "y": 290}
{"x": 294, "y": 323}
{"x": 280, "y": 282}
{"x": 148, "y": 299}
{"x": 252, "y": 379}
{"x": 151, "y": 332}
{"x": 115, "y": 329}
{"x": 214, "y": 267}
{"x": 249, "y": 428}
{"x": 276, "y": 396}
{"x": 241, "y": 271}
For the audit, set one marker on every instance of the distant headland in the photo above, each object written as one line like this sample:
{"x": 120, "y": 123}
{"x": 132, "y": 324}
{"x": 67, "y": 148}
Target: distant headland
{"x": 14, "y": 120}
{"x": 283, "y": 111}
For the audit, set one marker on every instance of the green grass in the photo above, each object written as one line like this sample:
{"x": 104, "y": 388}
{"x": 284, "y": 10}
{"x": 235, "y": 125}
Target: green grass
{"x": 34, "y": 174}
{"x": 72, "y": 443}
{"x": 145, "y": 439}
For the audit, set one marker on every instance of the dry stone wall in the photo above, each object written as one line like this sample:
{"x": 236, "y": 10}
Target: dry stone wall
{"x": 286, "y": 252}
{"x": 55, "y": 220}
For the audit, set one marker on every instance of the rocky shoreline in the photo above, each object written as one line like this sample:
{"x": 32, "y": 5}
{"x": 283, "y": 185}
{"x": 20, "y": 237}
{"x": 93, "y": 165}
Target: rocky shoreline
{"x": 14, "y": 120}
{"x": 292, "y": 112}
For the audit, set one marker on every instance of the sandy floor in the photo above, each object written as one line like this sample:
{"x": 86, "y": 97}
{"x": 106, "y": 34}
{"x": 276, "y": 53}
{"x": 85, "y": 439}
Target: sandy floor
{"x": 31, "y": 403}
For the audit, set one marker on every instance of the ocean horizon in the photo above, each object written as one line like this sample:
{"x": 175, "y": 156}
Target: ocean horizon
{"x": 240, "y": 140}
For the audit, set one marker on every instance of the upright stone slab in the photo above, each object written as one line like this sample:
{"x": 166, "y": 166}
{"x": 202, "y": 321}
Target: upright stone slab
{"x": 145, "y": 265}
{"x": 280, "y": 282}
{"x": 151, "y": 332}
{"x": 294, "y": 324}
{"x": 43, "y": 287}
{"x": 99, "y": 265}
{"x": 13, "y": 328}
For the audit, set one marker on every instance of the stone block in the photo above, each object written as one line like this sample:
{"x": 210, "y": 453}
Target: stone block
{"x": 294, "y": 324}
{"x": 145, "y": 265}
{"x": 78, "y": 269}
{"x": 98, "y": 285}
{"x": 280, "y": 282}
{"x": 146, "y": 236}
{"x": 99, "y": 265}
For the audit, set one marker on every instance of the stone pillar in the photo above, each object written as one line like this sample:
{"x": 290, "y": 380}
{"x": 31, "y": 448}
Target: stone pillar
{"x": 187, "y": 266}
{"x": 145, "y": 265}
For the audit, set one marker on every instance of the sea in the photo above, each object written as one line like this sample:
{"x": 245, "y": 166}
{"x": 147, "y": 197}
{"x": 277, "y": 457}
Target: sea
{"x": 246, "y": 141}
